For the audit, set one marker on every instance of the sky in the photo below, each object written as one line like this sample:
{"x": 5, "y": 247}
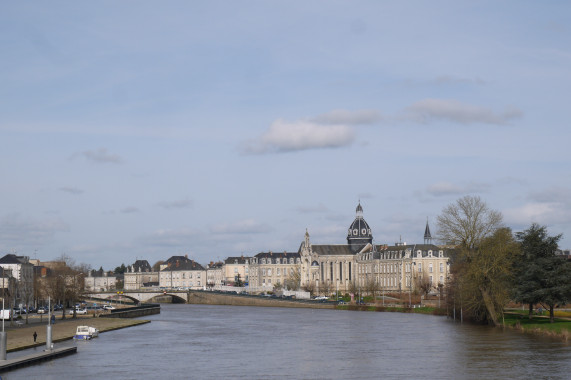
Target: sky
{"x": 143, "y": 129}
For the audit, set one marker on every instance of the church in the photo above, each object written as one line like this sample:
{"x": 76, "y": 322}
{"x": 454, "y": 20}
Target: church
{"x": 362, "y": 264}
{"x": 359, "y": 264}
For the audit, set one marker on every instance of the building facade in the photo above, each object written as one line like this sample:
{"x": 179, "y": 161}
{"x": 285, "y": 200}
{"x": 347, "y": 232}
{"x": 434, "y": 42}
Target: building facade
{"x": 140, "y": 275}
{"x": 327, "y": 268}
{"x": 22, "y": 271}
{"x": 236, "y": 267}
{"x": 268, "y": 269}
{"x": 180, "y": 272}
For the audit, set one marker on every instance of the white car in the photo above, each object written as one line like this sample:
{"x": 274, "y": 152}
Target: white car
{"x": 108, "y": 307}
{"x": 78, "y": 311}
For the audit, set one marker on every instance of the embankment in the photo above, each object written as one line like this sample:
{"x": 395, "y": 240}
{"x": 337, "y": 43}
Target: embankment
{"x": 20, "y": 338}
{"x": 133, "y": 312}
{"x": 213, "y": 298}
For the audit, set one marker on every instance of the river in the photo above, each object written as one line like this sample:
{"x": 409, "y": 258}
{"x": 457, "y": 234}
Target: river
{"x": 214, "y": 342}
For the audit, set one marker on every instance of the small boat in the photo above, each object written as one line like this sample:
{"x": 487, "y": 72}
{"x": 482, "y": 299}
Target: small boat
{"x": 85, "y": 333}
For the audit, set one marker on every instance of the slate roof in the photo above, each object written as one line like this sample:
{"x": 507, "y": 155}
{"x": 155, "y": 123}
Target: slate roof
{"x": 398, "y": 250}
{"x": 10, "y": 258}
{"x": 180, "y": 263}
{"x": 332, "y": 249}
{"x": 237, "y": 260}
{"x": 141, "y": 266}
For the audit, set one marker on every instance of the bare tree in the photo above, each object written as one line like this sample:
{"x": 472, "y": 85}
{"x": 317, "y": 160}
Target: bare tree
{"x": 293, "y": 281}
{"x": 466, "y": 222}
{"x": 423, "y": 285}
{"x": 482, "y": 261}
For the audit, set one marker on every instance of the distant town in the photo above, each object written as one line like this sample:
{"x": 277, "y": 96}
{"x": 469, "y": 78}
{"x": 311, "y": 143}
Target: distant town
{"x": 318, "y": 269}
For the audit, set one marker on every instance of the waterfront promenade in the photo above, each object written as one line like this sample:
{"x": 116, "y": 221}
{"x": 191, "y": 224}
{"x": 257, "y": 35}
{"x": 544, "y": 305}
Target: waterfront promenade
{"x": 20, "y": 338}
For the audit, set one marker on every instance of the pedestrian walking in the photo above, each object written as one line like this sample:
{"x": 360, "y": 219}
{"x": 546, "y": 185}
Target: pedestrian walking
{"x": 35, "y": 336}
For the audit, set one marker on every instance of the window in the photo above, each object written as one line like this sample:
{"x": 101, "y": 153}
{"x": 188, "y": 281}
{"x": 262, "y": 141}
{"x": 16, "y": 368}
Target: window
{"x": 420, "y": 267}
{"x": 235, "y": 270}
{"x": 430, "y": 279}
{"x": 430, "y": 267}
{"x": 269, "y": 272}
{"x": 429, "y": 253}
{"x": 442, "y": 279}
{"x": 263, "y": 272}
{"x": 278, "y": 272}
{"x": 442, "y": 267}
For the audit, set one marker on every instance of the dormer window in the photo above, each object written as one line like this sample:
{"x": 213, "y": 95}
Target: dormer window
{"x": 355, "y": 232}
{"x": 429, "y": 253}
{"x": 364, "y": 231}
{"x": 350, "y": 232}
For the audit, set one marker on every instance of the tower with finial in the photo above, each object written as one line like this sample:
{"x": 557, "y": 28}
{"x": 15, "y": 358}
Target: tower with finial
{"x": 359, "y": 234}
{"x": 427, "y": 235}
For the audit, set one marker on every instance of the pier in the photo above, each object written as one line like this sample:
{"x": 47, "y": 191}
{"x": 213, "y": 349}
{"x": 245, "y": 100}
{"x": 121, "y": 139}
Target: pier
{"x": 25, "y": 360}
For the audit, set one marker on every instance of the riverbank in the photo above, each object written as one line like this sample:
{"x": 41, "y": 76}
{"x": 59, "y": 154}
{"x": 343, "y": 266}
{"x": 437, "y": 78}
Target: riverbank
{"x": 539, "y": 325}
{"x": 21, "y": 338}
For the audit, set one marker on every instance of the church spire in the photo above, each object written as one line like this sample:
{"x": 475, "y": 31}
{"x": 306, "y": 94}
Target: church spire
{"x": 427, "y": 235}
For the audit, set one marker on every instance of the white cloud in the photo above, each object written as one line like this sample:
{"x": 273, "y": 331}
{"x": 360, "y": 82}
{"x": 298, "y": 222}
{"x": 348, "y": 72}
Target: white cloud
{"x": 101, "y": 155}
{"x": 283, "y": 136}
{"x": 246, "y": 226}
{"x": 346, "y": 117}
{"x": 536, "y": 212}
{"x": 71, "y": 190}
{"x": 18, "y": 231}
{"x": 183, "y": 237}
{"x": 446, "y": 188}
{"x": 174, "y": 205}
{"x": 428, "y": 110}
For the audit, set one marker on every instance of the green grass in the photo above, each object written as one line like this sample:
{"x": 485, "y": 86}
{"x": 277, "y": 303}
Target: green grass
{"x": 539, "y": 325}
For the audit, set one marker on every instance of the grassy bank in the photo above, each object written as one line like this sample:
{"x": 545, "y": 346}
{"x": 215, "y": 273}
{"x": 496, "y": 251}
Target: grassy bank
{"x": 540, "y": 325}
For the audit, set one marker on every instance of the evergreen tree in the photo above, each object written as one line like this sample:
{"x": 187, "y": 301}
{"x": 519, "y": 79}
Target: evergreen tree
{"x": 238, "y": 281}
{"x": 539, "y": 275}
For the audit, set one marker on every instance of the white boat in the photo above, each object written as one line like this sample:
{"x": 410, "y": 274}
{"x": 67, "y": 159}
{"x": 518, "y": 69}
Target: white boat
{"x": 85, "y": 332}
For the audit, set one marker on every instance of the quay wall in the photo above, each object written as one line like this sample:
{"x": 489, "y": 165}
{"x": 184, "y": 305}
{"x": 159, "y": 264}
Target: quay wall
{"x": 212, "y": 298}
{"x": 133, "y": 312}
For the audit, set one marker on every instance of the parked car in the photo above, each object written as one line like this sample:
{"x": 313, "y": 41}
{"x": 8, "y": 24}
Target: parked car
{"x": 42, "y": 310}
{"x": 78, "y": 311}
{"x": 108, "y": 307}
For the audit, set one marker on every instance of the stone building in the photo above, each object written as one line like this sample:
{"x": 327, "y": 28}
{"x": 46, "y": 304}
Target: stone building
{"x": 267, "y": 269}
{"x": 140, "y": 275}
{"x": 214, "y": 274}
{"x": 100, "y": 281}
{"x": 182, "y": 272}
{"x": 234, "y": 267}
{"x": 326, "y": 268}
{"x": 22, "y": 271}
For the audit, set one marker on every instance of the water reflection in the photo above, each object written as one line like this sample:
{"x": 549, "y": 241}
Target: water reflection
{"x": 212, "y": 342}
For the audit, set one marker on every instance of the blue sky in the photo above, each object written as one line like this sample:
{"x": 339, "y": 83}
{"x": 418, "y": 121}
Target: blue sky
{"x": 140, "y": 130}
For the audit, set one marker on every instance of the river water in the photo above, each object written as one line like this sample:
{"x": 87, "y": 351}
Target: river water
{"x": 215, "y": 342}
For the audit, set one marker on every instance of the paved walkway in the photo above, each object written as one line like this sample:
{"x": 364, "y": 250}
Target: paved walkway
{"x": 20, "y": 338}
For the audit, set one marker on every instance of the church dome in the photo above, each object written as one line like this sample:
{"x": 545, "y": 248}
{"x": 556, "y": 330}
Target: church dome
{"x": 359, "y": 233}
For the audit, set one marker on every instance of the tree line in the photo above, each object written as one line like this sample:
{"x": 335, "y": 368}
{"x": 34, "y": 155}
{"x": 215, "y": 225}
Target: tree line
{"x": 492, "y": 266}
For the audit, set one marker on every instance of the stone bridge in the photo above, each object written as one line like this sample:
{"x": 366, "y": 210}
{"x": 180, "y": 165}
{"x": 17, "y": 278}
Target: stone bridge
{"x": 139, "y": 296}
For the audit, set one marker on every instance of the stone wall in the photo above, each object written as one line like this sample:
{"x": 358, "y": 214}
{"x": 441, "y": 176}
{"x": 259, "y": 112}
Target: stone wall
{"x": 211, "y": 298}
